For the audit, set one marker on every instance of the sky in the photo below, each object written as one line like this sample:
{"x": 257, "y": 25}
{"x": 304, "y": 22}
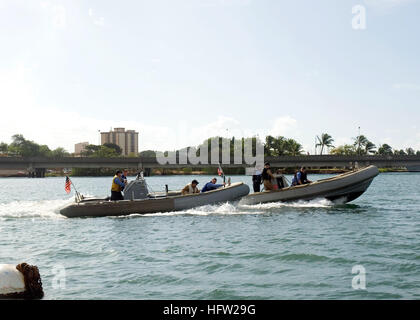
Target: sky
{"x": 179, "y": 71}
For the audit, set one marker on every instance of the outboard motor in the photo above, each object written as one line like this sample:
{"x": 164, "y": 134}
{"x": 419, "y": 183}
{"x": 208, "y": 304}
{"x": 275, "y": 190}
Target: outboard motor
{"x": 136, "y": 189}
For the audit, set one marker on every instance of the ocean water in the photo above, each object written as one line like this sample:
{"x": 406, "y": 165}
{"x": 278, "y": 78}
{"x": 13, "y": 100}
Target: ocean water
{"x": 271, "y": 251}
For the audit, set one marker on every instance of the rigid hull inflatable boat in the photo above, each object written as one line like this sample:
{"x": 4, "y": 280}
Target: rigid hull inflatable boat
{"x": 138, "y": 200}
{"x": 341, "y": 188}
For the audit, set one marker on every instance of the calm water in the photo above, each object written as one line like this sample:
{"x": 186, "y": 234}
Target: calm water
{"x": 272, "y": 251}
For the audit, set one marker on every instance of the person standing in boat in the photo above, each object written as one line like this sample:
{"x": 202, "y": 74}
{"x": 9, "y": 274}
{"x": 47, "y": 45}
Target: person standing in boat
{"x": 124, "y": 177}
{"x": 190, "y": 188}
{"x": 267, "y": 176}
{"x": 117, "y": 186}
{"x": 211, "y": 185}
{"x": 256, "y": 180}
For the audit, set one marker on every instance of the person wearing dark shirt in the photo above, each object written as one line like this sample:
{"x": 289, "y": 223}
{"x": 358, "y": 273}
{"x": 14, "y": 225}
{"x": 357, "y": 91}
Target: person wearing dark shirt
{"x": 279, "y": 179}
{"x": 211, "y": 185}
{"x": 295, "y": 179}
{"x": 302, "y": 176}
{"x": 256, "y": 181}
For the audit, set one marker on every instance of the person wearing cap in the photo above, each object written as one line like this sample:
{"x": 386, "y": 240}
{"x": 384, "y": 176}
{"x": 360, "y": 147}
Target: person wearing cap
{"x": 212, "y": 185}
{"x": 117, "y": 186}
{"x": 267, "y": 176}
{"x": 190, "y": 188}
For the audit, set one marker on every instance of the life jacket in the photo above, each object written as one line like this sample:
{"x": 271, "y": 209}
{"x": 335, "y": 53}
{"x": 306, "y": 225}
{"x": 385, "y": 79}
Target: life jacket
{"x": 115, "y": 187}
{"x": 191, "y": 189}
{"x": 303, "y": 177}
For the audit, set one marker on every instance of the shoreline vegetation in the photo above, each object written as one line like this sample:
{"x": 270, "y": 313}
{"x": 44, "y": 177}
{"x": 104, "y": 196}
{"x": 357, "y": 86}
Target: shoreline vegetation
{"x": 186, "y": 171}
{"x": 273, "y": 147}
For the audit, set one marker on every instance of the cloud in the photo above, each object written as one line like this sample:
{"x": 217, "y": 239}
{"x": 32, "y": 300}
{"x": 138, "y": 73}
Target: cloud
{"x": 407, "y": 86}
{"x": 387, "y": 3}
{"x": 97, "y": 21}
{"x": 384, "y": 7}
{"x": 283, "y": 126}
{"x": 59, "y": 17}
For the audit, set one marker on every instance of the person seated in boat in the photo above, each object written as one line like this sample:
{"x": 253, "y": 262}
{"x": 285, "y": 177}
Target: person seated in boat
{"x": 190, "y": 188}
{"x": 267, "y": 176}
{"x": 295, "y": 179}
{"x": 302, "y": 177}
{"x": 280, "y": 179}
{"x": 212, "y": 185}
{"x": 117, "y": 187}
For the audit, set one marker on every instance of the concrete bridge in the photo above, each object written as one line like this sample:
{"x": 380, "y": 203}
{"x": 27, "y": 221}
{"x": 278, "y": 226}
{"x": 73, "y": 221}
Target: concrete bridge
{"x": 38, "y": 166}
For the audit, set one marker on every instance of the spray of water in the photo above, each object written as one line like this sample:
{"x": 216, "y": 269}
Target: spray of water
{"x": 316, "y": 203}
{"x": 33, "y": 209}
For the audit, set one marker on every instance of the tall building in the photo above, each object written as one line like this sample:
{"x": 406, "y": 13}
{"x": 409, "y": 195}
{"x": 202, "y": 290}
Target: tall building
{"x": 128, "y": 140}
{"x": 80, "y": 147}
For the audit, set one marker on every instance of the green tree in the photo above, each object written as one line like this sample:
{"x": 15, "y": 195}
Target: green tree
{"x": 24, "y": 148}
{"x": 363, "y": 145}
{"x": 293, "y": 148}
{"x": 105, "y": 152}
{"x": 59, "y": 153}
{"x": 148, "y": 154}
{"x": 399, "y": 152}
{"x": 324, "y": 141}
{"x": 4, "y": 148}
{"x": 410, "y": 151}
{"x": 114, "y": 146}
{"x": 359, "y": 142}
{"x": 385, "y": 149}
{"x": 345, "y": 150}
{"x": 90, "y": 149}
{"x": 369, "y": 148}
{"x": 269, "y": 146}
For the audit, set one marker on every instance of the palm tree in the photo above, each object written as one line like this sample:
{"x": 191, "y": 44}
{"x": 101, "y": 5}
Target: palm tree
{"x": 385, "y": 149}
{"x": 410, "y": 151}
{"x": 369, "y": 147}
{"x": 293, "y": 148}
{"x": 359, "y": 142}
{"x": 324, "y": 141}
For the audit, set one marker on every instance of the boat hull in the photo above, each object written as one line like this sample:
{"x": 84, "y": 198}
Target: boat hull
{"x": 343, "y": 188}
{"x": 103, "y": 208}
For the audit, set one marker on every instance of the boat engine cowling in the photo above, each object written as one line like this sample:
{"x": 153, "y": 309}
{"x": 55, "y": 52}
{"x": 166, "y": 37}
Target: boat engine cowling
{"x": 136, "y": 189}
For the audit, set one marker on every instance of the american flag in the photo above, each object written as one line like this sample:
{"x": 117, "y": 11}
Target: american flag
{"x": 67, "y": 186}
{"x": 219, "y": 171}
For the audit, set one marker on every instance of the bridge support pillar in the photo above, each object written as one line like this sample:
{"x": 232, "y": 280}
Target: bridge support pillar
{"x": 147, "y": 172}
{"x": 40, "y": 172}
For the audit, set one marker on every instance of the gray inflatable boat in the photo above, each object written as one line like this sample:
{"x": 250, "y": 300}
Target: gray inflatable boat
{"x": 138, "y": 200}
{"x": 341, "y": 188}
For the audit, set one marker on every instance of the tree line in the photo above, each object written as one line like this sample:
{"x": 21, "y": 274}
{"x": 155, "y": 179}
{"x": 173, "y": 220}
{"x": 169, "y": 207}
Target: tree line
{"x": 273, "y": 146}
{"x": 21, "y": 147}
